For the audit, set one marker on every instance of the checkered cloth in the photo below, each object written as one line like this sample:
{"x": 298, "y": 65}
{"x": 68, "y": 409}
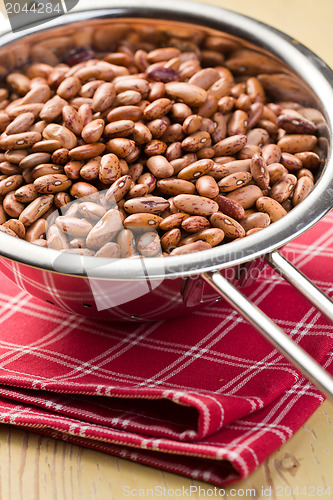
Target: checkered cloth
{"x": 204, "y": 396}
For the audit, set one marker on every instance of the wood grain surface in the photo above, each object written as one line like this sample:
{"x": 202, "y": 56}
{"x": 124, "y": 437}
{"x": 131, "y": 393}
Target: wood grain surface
{"x": 33, "y": 467}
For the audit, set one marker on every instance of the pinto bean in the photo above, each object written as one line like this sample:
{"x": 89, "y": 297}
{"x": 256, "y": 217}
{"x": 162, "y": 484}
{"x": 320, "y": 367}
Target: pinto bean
{"x": 196, "y": 169}
{"x": 271, "y": 153}
{"x": 26, "y": 193}
{"x": 120, "y": 147}
{"x": 73, "y": 226}
{"x": 20, "y": 83}
{"x": 72, "y": 119}
{"x": 132, "y": 113}
{"x": 207, "y": 186}
{"x": 257, "y": 137}
{"x": 38, "y": 94}
{"x": 160, "y": 167}
{"x": 283, "y": 188}
{"x": 91, "y": 210}
{"x": 304, "y": 172}
{"x": 259, "y": 171}
{"x": 303, "y": 187}
{"x": 119, "y": 128}
{"x": 140, "y": 133}
{"x": 143, "y": 220}
{"x": 19, "y": 141}
{"x": 296, "y": 124}
{"x": 7, "y": 169}
{"x": 158, "y": 127}
{"x": 83, "y": 189}
{"x": 195, "y": 205}
{"x": 231, "y": 228}
{"x": 59, "y": 133}
{"x": 212, "y": 235}
{"x": 148, "y": 244}
{"x": 255, "y": 90}
{"x": 197, "y": 246}
{"x": 195, "y": 223}
{"x": 90, "y": 170}
{"x": 20, "y": 124}
{"x": 257, "y": 219}
{"x": 7, "y": 230}
{"x": 53, "y": 183}
{"x": 220, "y": 127}
{"x": 110, "y": 250}
{"x": 246, "y": 196}
{"x": 147, "y": 179}
{"x": 192, "y": 124}
{"x": 16, "y": 226}
{"x": 196, "y": 141}
{"x": 291, "y": 162}
{"x": 37, "y": 230}
{"x": 11, "y": 206}
{"x": 52, "y": 109}
{"x": 230, "y": 207}
{"x": 157, "y": 109}
{"x": 10, "y": 183}
{"x": 271, "y": 207}
{"x": 69, "y": 87}
{"x": 109, "y": 170}
{"x": 118, "y": 189}
{"x": 234, "y": 181}
{"x": 73, "y": 169}
{"x": 237, "y": 124}
{"x": 61, "y": 199}
{"x": 230, "y": 145}
{"x": 47, "y": 146}
{"x": 186, "y": 92}
{"x": 104, "y": 97}
{"x": 105, "y": 230}
{"x": 309, "y": 159}
{"x": 276, "y": 171}
{"x": 147, "y": 204}
{"x": 36, "y": 209}
{"x": 126, "y": 242}
{"x": 60, "y": 156}
{"x": 16, "y": 155}
{"x": 174, "y": 186}
{"x": 87, "y": 151}
{"x": 297, "y": 143}
{"x": 170, "y": 239}
{"x": 34, "y": 108}
{"x": 173, "y": 221}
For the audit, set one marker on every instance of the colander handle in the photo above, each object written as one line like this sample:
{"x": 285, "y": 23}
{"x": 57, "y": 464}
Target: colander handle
{"x": 263, "y": 324}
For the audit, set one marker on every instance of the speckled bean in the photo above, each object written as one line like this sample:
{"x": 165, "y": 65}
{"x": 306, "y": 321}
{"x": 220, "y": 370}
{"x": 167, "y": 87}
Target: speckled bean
{"x": 231, "y": 228}
{"x": 195, "y": 205}
{"x": 271, "y": 207}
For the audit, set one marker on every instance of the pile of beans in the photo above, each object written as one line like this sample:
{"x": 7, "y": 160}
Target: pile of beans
{"x": 147, "y": 152}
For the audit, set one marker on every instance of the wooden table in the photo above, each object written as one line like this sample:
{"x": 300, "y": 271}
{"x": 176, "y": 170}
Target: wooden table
{"x": 34, "y": 467}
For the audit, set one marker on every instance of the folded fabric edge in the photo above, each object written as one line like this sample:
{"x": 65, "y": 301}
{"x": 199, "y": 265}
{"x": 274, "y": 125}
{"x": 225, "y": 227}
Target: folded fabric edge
{"x": 213, "y": 463}
{"x": 218, "y": 472}
{"x": 210, "y": 411}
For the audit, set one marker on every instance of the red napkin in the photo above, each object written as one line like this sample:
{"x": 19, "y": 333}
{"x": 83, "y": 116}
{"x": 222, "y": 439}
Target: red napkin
{"x": 204, "y": 396}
